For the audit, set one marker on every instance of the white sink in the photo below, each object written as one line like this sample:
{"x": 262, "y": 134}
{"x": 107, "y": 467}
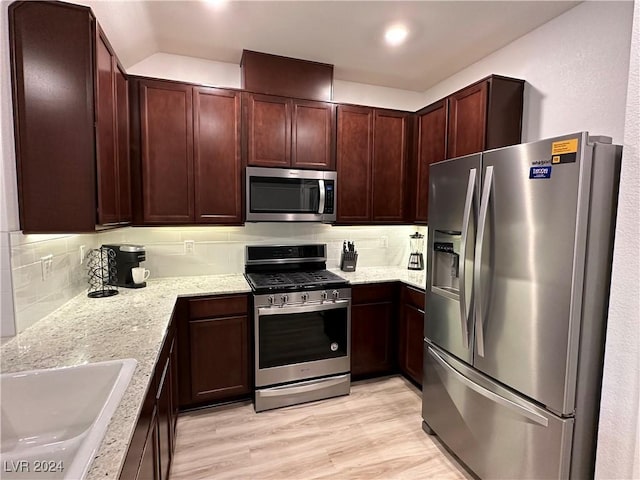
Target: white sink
{"x": 53, "y": 420}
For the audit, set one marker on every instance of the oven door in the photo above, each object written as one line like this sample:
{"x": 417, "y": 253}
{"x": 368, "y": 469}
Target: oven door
{"x": 300, "y": 342}
{"x": 278, "y": 195}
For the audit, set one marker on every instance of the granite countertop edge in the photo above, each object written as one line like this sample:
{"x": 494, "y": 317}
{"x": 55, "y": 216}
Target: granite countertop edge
{"x": 133, "y": 324}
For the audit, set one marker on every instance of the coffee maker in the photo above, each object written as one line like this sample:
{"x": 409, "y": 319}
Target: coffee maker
{"x": 128, "y": 257}
{"x": 416, "y": 258}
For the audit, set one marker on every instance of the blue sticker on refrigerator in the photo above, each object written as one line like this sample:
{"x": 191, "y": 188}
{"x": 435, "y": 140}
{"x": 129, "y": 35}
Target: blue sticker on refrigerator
{"x": 540, "y": 172}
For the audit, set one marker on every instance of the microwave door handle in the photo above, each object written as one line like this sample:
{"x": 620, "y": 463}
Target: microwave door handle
{"x": 321, "y": 202}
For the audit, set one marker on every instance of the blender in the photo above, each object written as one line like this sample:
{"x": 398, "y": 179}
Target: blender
{"x": 416, "y": 258}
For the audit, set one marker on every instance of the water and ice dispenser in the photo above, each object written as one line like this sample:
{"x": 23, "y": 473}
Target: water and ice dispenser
{"x": 446, "y": 261}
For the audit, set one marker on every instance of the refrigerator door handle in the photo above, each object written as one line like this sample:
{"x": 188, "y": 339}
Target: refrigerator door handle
{"x": 477, "y": 267}
{"x": 519, "y": 409}
{"x": 466, "y": 217}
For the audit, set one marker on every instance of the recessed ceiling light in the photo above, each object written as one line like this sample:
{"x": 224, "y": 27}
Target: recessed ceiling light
{"x": 396, "y": 34}
{"x": 217, "y": 4}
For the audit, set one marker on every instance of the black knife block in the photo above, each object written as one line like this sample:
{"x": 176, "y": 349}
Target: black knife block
{"x": 348, "y": 261}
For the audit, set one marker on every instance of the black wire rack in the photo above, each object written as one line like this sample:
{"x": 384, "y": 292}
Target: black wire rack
{"x": 103, "y": 274}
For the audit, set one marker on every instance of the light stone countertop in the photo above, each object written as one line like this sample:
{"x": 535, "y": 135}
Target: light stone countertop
{"x": 133, "y": 324}
{"x": 414, "y": 278}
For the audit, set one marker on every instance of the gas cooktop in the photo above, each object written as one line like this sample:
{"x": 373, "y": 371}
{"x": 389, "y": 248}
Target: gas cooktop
{"x": 286, "y": 281}
{"x": 279, "y": 268}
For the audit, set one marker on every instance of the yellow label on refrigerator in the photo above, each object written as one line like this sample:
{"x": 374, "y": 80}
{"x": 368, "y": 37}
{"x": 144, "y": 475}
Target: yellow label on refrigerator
{"x": 565, "y": 146}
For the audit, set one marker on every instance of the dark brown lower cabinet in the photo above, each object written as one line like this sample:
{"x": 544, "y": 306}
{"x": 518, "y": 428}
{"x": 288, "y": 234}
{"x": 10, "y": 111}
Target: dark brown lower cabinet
{"x": 410, "y": 345}
{"x": 151, "y": 447}
{"x": 148, "y": 463}
{"x": 216, "y": 363}
{"x": 372, "y": 329}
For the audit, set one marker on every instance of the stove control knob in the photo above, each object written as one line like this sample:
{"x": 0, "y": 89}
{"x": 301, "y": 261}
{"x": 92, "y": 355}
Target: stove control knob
{"x": 336, "y": 294}
{"x": 271, "y": 299}
{"x": 304, "y": 297}
{"x": 284, "y": 299}
{"x": 323, "y": 295}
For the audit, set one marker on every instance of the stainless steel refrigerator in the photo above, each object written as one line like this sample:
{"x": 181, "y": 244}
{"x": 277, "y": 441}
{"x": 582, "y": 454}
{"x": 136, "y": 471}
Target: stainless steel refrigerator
{"x": 519, "y": 264}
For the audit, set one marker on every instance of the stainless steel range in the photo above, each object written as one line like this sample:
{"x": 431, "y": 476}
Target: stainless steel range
{"x": 302, "y": 324}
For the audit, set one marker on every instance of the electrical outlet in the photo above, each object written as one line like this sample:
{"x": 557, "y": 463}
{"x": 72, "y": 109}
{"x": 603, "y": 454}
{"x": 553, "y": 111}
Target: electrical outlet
{"x": 189, "y": 247}
{"x": 46, "y": 264}
{"x": 82, "y": 253}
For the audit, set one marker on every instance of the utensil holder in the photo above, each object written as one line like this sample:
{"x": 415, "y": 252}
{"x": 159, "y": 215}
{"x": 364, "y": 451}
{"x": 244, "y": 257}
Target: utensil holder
{"x": 101, "y": 263}
{"x": 348, "y": 261}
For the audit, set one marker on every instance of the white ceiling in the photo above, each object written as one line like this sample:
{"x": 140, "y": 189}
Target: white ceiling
{"x": 445, "y": 36}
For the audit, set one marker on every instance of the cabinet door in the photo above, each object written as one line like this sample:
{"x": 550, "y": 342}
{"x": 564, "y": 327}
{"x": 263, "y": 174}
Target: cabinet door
{"x": 175, "y": 403}
{"x": 313, "y": 128}
{"x": 371, "y": 338}
{"x": 163, "y": 402}
{"x": 411, "y": 341}
{"x": 268, "y": 131}
{"x": 217, "y": 163}
{"x": 353, "y": 156}
{"x": 167, "y": 152}
{"x": 219, "y": 358}
{"x": 432, "y": 147}
{"x": 389, "y": 166}
{"x": 148, "y": 469}
{"x": 107, "y": 166}
{"x": 123, "y": 143}
{"x": 467, "y": 120}
{"x": 52, "y": 68}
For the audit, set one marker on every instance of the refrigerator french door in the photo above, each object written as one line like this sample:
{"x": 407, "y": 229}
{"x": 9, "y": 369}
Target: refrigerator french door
{"x": 520, "y": 246}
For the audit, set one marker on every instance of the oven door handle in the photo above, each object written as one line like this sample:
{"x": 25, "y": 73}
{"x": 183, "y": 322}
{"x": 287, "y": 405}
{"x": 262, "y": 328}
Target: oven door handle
{"x": 329, "y": 305}
{"x": 309, "y": 387}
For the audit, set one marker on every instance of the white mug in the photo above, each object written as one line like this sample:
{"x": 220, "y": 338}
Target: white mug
{"x": 139, "y": 274}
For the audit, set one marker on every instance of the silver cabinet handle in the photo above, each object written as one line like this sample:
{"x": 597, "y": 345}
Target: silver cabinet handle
{"x": 285, "y": 310}
{"x": 286, "y": 390}
{"x": 466, "y": 216}
{"x": 322, "y": 193}
{"x": 477, "y": 268}
{"x": 525, "y": 412}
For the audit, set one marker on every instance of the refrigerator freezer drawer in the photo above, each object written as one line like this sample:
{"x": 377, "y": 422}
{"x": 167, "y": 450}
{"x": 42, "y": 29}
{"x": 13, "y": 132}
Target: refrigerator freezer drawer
{"x": 496, "y": 433}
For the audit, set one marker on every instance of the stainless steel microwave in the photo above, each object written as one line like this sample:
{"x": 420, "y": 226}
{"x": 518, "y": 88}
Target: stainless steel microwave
{"x": 285, "y": 195}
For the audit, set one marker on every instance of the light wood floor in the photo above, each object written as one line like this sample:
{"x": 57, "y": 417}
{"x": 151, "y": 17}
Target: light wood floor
{"x": 374, "y": 433}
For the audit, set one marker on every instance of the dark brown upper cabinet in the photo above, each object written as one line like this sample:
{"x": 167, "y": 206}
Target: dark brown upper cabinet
{"x": 70, "y": 117}
{"x": 166, "y": 121}
{"x": 482, "y": 116}
{"x": 390, "y": 131}
{"x": 432, "y": 147}
{"x": 188, "y": 165}
{"x": 372, "y": 148}
{"x": 285, "y": 132}
{"x": 217, "y": 162}
{"x": 485, "y": 115}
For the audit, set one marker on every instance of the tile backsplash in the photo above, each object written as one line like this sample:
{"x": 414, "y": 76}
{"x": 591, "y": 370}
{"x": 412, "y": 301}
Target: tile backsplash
{"x": 216, "y": 250}
{"x": 34, "y": 295}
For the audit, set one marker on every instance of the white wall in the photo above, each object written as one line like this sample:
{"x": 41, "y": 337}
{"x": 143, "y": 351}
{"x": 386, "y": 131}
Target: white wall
{"x": 220, "y": 74}
{"x": 576, "y": 68}
{"x": 188, "y": 69}
{"x": 618, "y": 453}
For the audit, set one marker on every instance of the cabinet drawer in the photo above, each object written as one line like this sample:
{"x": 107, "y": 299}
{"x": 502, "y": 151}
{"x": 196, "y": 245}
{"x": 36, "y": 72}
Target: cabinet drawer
{"x": 218, "y": 307}
{"x": 373, "y": 293}
{"x": 414, "y": 297}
